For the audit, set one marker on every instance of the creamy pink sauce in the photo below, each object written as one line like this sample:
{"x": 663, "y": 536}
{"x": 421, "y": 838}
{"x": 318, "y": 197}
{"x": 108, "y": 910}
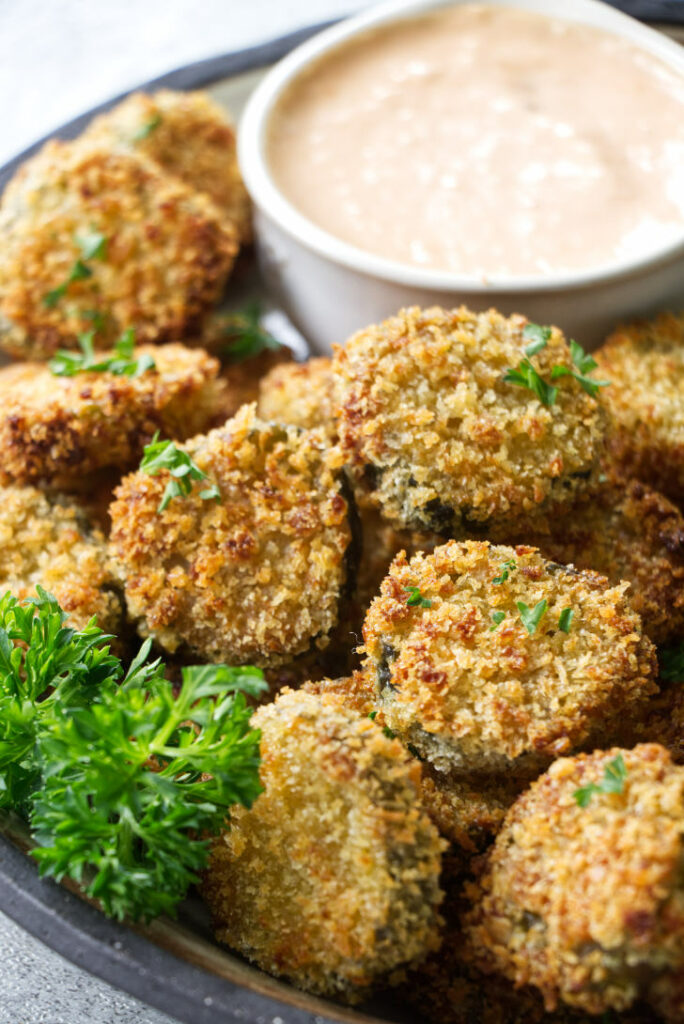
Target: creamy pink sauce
{"x": 486, "y": 141}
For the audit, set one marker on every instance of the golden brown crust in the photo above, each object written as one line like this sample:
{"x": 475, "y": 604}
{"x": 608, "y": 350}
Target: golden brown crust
{"x": 300, "y": 393}
{"x": 625, "y": 531}
{"x": 54, "y": 431}
{"x": 587, "y": 902}
{"x": 436, "y": 435}
{"x": 166, "y": 259}
{"x": 468, "y": 695}
{"x": 49, "y": 542}
{"x": 468, "y": 810}
{"x": 190, "y": 137}
{"x": 644, "y": 362}
{"x": 253, "y": 578}
{"x": 332, "y": 878}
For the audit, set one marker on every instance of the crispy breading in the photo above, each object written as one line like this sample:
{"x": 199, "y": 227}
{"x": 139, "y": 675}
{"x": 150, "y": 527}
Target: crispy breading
{"x": 300, "y": 393}
{"x": 586, "y": 902}
{"x": 189, "y": 136}
{"x": 644, "y": 363}
{"x": 332, "y": 878}
{"x": 440, "y": 440}
{"x": 353, "y": 691}
{"x": 51, "y": 543}
{"x": 54, "y": 431}
{"x": 472, "y": 694}
{"x": 253, "y": 578}
{"x": 162, "y": 265}
{"x": 626, "y": 531}
{"x": 467, "y": 809}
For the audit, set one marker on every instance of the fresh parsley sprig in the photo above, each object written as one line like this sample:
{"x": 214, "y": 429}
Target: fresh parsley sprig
{"x": 93, "y": 246}
{"x": 245, "y": 337}
{"x": 497, "y": 619}
{"x": 166, "y": 455}
{"x": 121, "y": 782}
{"x": 147, "y": 127}
{"x": 526, "y": 376}
{"x": 130, "y": 776}
{"x": 121, "y": 362}
{"x": 565, "y": 619}
{"x": 416, "y": 599}
{"x": 537, "y": 336}
{"x": 613, "y": 781}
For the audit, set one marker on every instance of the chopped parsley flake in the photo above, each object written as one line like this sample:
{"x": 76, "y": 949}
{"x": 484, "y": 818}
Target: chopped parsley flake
{"x": 507, "y": 567}
{"x": 613, "y": 781}
{"x": 93, "y": 245}
{"x": 386, "y": 729}
{"x": 531, "y": 617}
{"x": 416, "y": 599}
{"x": 147, "y": 128}
{"x": 565, "y": 619}
{"x": 584, "y": 364}
{"x": 537, "y": 336}
{"x": 497, "y": 619}
{"x": 245, "y": 337}
{"x": 121, "y": 363}
{"x": 165, "y": 455}
{"x": 525, "y": 376}
{"x": 79, "y": 272}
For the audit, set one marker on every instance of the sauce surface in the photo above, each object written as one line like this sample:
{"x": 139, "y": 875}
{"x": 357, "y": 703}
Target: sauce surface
{"x": 486, "y": 141}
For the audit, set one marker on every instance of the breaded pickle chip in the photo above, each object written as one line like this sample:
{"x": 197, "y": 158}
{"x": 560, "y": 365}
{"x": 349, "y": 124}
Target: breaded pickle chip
{"x": 490, "y": 658}
{"x": 626, "y": 531}
{"x": 644, "y": 362}
{"x": 91, "y": 237}
{"x": 189, "y": 136}
{"x": 437, "y": 436}
{"x": 584, "y": 897}
{"x": 332, "y": 878}
{"x": 56, "y": 430}
{"x": 300, "y": 393}
{"x": 50, "y": 543}
{"x": 253, "y": 577}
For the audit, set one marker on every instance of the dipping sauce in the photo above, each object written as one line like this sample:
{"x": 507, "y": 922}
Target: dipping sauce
{"x": 487, "y": 141}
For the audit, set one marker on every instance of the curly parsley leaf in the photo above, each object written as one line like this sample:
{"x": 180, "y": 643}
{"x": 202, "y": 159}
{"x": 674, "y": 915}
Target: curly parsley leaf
{"x": 416, "y": 599}
{"x": 537, "y": 336}
{"x": 245, "y": 337}
{"x": 525, "y": 376}
{"x": 507, "y": 567}
{"x": 531, "y": 617}
{"x": 613, "y": 781}
{"x": 120, "y": 363}
{"x": 159, "y": 456}
{"x": 42, "y": 662}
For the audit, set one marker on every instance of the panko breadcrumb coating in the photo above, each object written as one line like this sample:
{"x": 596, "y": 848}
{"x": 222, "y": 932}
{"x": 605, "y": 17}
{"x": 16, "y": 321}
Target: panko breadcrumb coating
{"x": 470, "y": 692}
{"x": 440, "y": 440}
{"x": 253, "y": 578}
{"x": 300, "y": 393}
{"x": 587, "y": 902}
{"x": 332, "y": 878}
{"x": 626, "y": 531}
{"x": 54, "y": 431}
{"x": 160, "y": 252}
{"x": 644, "y": 362}
{"x": 50, "y": 543}
{"x": 189, "y": 136}
{"x": 467, "y": 809}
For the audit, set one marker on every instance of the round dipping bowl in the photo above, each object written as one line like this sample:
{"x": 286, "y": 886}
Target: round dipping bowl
{"x": 331, "y": 288}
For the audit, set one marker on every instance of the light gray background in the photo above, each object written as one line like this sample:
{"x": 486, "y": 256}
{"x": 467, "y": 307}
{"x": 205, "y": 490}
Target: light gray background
{"x": 57, "y": 59}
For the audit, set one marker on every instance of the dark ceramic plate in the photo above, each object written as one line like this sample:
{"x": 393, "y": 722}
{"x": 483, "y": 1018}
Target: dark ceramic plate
{"x": 175, "y": 966}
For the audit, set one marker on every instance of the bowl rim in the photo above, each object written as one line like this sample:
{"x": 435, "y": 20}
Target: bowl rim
{"x": 271, "y": 202}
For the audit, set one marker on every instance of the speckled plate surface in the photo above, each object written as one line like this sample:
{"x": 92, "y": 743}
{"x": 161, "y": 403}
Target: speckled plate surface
{"x": 175, "y": 966}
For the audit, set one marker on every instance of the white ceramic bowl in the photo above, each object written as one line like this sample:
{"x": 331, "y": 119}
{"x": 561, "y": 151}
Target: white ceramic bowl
{"x": 331, "y": 288}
